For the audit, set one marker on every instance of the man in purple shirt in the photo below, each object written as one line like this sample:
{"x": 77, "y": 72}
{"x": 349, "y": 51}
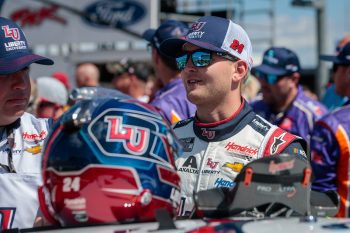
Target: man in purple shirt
{"x": 330, "y": 144}
{"x": 283, "y": 101}
{"x": 171, "y": 99}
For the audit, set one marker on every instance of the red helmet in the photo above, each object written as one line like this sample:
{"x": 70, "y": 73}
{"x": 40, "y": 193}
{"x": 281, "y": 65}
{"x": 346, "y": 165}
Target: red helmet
{"x": 109, "y": 160}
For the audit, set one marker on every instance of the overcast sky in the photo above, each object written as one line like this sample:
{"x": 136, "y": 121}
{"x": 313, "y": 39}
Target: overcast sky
{"x": 295, "y": 27}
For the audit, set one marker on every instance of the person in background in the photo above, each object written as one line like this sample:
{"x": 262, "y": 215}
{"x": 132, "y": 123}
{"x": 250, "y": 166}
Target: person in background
{"x": 131, "y": 78}
{"x": 52, "y": 98}
{"x": 63, "y": 78}
{"x": 250, "y": 88}
{"x": 331, "y": 99}
{"x": 33, "y": 97}
{"x": 170, "y": 99}
{"x": 87, "y": 75}
{"x": 21, "y": 134}
{"x": 330, "y": 144}
{"x": 225, "y": 134}
{"x": 283, "y": 100}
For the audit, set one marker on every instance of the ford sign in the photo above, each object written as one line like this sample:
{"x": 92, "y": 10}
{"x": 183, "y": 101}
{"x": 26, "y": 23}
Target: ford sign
{"x": 115, "y": 13}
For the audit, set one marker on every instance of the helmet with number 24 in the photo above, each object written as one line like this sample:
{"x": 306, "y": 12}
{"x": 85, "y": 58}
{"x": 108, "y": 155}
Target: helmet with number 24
{"x": 109, "y": 160}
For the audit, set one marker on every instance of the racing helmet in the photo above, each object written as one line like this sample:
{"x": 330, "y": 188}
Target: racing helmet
{"x": 109, "y": 160}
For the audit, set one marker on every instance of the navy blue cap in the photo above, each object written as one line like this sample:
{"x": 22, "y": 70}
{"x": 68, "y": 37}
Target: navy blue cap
{"x": 14, "y": 50}
{"x": 343, "y": 57}
{"x": 168, "y": 29}
{"x": 279, "y": 61}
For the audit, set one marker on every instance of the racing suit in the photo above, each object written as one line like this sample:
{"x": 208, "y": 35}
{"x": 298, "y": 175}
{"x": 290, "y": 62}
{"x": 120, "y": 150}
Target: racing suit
{"x": 172, "y": 102}
{"x": 215, "y": 153}
{"x": 298, "y": 118}
{"x": 18, "y": 188}
{"x": 330, "y": 154}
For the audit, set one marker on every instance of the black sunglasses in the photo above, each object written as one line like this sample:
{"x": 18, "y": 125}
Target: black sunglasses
{"x": 200, "y": 58}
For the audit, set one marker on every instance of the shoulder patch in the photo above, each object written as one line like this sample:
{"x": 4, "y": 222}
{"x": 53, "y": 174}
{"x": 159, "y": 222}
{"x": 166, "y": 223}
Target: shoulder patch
{"x": 278, "y": 141}
{"x": 260, "y": 125}
{"x": 182, "y": 123}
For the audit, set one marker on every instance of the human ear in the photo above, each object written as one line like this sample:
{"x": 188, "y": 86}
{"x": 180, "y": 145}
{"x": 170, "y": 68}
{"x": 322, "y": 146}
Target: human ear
{"x": 241, "y": 70}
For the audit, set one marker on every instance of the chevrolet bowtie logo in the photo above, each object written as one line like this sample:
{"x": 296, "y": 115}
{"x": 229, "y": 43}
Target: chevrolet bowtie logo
{"x": 34, "y": 149}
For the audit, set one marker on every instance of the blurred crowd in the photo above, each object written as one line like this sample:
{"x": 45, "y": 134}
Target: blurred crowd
{"x": 208, "y": 90}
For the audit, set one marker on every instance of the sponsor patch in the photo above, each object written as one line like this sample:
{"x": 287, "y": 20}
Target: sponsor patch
{"x": 210, "y": 134}
{"x": 212, "y": 164}
{"x": 191, "y": 161}
{"x": 33, "y": 137}
{"x": 245, "y": 150}
{"x": 278, "y": 141}
{"x": 188, "y": 170}
{"x": 236, "y": 167}
{"x": 299, "y": 151}
{"x": 220, "y": 182}
{"x": 34, "y": 149}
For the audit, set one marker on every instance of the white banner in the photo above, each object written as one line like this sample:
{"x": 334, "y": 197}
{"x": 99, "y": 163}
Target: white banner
{"x": 77, "y": 21}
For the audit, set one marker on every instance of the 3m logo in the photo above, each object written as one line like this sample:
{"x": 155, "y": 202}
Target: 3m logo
{"x": 7, "y": 215}
{"x": 135, "y": 139}
{"x": 11, "y": 32}
{"x": 236, "y": 45}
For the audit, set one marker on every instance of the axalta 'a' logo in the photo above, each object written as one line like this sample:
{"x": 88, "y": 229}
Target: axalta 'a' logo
{"x": 245, "y": 150}
{"x": 208, "y": 133}
{"x": 33, "y": 137}
{"x": 236, "y": 167}
{"x": 11, "y": 32}
{"x": 276, "y": 167}
{"x": 197, "y": 26}
{"x": 135, "y": 139}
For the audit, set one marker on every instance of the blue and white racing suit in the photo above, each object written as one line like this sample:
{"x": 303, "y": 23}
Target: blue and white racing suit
{"x": 215, "y": 153}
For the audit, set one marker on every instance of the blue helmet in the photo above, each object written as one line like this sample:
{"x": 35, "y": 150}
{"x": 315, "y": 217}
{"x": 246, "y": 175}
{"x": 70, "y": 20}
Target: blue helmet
{"x": 109, "y": 160}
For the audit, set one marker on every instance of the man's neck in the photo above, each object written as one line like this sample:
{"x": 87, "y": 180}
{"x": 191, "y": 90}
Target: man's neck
{"x": 218, "y": 111}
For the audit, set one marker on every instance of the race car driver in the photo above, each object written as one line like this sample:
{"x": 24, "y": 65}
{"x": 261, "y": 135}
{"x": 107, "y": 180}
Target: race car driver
{"x": 225, "y": 134}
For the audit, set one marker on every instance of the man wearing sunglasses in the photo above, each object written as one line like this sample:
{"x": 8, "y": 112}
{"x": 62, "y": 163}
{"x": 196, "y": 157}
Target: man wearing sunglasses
{"x": 283, "y": 100}
{"x": 330, "y": 145}
{"x": 225, "y": 134}
{"x": 171, "y": 98}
